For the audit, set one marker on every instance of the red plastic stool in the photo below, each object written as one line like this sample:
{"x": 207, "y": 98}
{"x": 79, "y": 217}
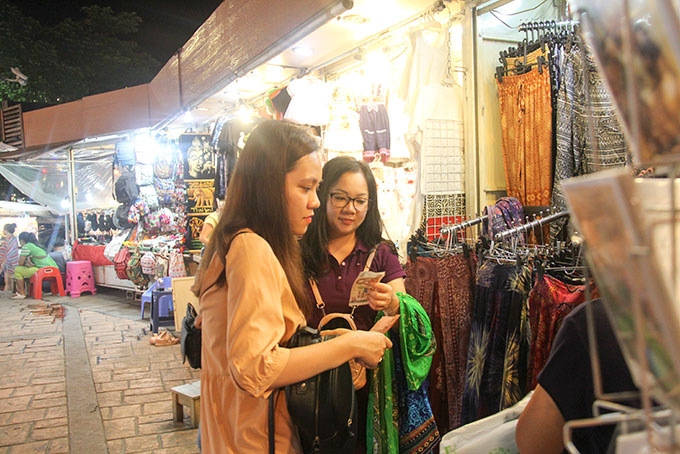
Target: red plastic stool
{"x": 56, "y": 285}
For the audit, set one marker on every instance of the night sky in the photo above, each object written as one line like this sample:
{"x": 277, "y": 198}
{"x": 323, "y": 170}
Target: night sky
{"x": 166, "y": 24}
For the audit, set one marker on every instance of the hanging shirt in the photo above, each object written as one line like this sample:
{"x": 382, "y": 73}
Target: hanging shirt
{"x": 343, "y": 134}
{"x": 426, "y": 65}
{"x": 310, "y": 102}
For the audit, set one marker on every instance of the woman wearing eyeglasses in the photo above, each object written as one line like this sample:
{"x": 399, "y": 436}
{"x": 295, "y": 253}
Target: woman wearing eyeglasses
{"x": 345, "y": 230}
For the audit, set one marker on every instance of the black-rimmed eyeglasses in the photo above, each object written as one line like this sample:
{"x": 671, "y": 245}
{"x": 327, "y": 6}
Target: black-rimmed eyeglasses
{"x": 341, "y": 200}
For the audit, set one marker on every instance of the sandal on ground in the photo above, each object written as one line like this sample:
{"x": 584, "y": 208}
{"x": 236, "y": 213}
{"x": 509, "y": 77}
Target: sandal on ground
{"x": 18, "y": 297}
{"x": 162, "y": 339}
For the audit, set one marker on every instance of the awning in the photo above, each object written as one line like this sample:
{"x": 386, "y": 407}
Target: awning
{"x": 236, "y": 38}
{"x": 18, "y": 209}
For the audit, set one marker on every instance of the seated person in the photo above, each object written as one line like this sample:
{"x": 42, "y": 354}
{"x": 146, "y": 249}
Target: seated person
{"x": 38, "y": 258}
{"x": 565, "y": 387}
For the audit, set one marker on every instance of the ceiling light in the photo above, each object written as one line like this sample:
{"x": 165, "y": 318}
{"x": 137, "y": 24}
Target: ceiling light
{"x": 355, "y": 19}
{"x": 303, "y": 51}
{"x": 245, "y": 114}
{"x": 188, "y": 117}
{"x": 202, "y": 109}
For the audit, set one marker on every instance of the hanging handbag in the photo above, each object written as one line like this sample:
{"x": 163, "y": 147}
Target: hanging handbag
{"x": 190, "y": 340}
{"x": 162, "y": 264}
{"x": 120, "y": 262}
{"x": 176, "y": 266}
{"x": 323, "y": 407}
{"x": 148, "y": 262}
{"x": 134, "y": 270}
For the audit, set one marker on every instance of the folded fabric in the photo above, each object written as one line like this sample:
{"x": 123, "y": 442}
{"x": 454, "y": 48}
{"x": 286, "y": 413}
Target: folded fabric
{"x": 400, "y": 418}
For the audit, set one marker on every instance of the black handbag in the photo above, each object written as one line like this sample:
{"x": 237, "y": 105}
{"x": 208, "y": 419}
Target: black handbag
{"x": 190, "y": 340}
{"x": 323, "y": 408}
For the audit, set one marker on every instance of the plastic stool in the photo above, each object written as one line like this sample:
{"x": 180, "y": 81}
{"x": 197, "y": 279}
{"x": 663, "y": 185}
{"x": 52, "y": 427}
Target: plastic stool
{"x": 56, "y": 285}
{"x": 79, "y": 278}
{"x": 146, "y": 296}
{"x": 161, "y": 306}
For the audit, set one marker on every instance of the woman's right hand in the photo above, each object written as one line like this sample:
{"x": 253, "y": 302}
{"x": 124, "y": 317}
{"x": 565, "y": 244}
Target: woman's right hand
{"x": 370, "y": 347}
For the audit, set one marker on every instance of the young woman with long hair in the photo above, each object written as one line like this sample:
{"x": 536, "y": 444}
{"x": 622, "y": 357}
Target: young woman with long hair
{"x": 252, "y": 297}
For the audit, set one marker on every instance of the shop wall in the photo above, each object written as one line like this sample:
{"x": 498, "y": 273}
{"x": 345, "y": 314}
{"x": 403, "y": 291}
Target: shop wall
{"x": 492, "y": 37}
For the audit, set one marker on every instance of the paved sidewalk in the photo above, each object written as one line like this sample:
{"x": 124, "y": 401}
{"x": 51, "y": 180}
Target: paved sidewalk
{"x": 45, "y": 406}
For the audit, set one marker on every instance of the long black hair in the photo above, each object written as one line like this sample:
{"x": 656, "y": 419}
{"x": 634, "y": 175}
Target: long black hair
{"x": 256, "y": 198}
{"x": 315, "y": 240}
{"x": 28, "y": 237}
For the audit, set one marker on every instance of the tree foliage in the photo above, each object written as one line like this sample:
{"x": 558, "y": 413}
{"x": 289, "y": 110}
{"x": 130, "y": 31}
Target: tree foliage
{"x": 74, "y": 58}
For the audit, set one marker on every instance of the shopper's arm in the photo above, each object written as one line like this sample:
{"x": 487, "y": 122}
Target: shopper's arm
{"x": 304, "y": 362}
{"x": 539, "y": 429}
{"x": 206, "y": 232}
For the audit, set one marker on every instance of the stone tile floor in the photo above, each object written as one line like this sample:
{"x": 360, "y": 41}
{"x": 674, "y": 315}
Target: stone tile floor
{"x": 131, "y": 379}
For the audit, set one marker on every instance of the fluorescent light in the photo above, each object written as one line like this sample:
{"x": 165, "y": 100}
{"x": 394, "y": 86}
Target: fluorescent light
{"x": 303, "y": 51}
{"x": 355, "y": 19}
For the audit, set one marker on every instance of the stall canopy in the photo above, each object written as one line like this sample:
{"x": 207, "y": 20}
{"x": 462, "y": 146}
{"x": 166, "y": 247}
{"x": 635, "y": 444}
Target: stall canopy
{"x": 16, "y": 208}
{"x": 237, "y": 37}
{"x": 46, "y": 179}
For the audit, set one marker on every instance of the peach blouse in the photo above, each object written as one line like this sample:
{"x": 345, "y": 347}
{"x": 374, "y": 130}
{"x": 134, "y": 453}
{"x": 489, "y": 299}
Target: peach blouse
{"x": 244, "y": 325}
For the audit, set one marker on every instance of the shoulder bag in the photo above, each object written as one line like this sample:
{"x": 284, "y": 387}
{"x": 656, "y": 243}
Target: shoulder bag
{"x": 190, "y": 339}
{"x": 323, "y": 407}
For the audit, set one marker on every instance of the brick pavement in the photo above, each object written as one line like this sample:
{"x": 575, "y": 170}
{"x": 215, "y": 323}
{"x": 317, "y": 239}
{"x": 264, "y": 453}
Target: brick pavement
{"x": 132, "y": 380}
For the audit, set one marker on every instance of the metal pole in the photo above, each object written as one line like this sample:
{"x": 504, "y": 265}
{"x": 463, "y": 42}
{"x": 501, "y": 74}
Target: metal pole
{"x": 475, "y": 101}
{"x": 72, "y": 195}
{"x": 67, "y": 230}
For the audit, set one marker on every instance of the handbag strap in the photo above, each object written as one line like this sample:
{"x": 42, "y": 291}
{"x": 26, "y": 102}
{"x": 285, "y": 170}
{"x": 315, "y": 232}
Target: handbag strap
{"x": 271, "y": 429}
{"x": 370, "y": 258}
{"x": 317, "y": 296}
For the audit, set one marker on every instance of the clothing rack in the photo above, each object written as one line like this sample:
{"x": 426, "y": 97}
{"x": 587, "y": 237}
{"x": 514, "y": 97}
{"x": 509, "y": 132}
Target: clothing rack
{"x": 525, "y": 228}
{"x": 462, "y": 225}
{"x": 547, "y": 25}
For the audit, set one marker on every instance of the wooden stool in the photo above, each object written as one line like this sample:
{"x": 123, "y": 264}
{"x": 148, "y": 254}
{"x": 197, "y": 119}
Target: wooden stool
{"x": 187, "y": 395}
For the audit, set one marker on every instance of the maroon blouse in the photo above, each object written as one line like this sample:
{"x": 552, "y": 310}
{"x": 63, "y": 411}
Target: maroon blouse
{"x": 336, "y": 285}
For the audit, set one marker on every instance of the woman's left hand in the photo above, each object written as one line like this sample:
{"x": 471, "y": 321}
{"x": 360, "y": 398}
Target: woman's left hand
{"x": 381, "y": 297}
